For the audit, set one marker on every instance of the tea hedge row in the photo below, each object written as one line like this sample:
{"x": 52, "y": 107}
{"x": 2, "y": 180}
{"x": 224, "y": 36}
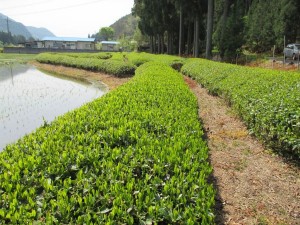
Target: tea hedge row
{"x": 119, "y": 58}
{"x": 268, "y": 101}
{"x": 100, "y": 55}
{"x": 118, "y": 68}
{"x": 142, "y": 57}
{"x": 134, "y": 156}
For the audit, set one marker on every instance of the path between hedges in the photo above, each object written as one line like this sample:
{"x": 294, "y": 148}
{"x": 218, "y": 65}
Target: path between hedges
{"x": 254, "y": 186}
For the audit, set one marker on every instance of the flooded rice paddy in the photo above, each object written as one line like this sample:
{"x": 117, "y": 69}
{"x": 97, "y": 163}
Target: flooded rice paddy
{"x": 28, "y": 97}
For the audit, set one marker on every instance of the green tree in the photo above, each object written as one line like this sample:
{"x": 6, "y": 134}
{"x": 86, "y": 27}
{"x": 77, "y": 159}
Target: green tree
{"x": 160, "y": 19}
{"x": 280, "y": 18}
{"x": 143, "y": 10}
{"x": 20, "y": 39}
{"x": 181, "y": 7}
{"x": 7, "y": 38}
{"x": 229, "y": 35}
{"x": 287, "y": 22}
{"x": 106, "y": 33}
{"x": 141, "y": 40}
{"x": 260, "y": 34}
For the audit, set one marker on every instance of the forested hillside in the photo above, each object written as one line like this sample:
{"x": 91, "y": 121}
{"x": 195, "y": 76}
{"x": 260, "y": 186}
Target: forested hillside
{"x": 125, "y": 26}
{"x": 196, "y": 27}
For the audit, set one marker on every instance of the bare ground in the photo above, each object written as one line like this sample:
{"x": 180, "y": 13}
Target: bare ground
{"x": 254, "y": 186}
{"x": 290, "y": 65}
{"x": 110, "y": 81}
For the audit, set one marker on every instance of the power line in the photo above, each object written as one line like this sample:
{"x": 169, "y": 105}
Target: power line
{"x": 25, "y": 5}
{"x": 57, "y": 9}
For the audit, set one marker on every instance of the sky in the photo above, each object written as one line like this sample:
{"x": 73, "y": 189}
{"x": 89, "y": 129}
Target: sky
{"x": 67, "y": 18}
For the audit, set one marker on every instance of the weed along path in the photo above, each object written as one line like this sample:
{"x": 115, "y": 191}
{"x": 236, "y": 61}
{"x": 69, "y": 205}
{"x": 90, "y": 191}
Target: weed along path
{"x": 254, "y": 186}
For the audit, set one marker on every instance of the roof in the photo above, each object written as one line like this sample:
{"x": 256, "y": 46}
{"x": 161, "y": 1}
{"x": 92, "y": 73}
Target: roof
{"x": 110, "y": 42}
{"x": 70, "y": 39}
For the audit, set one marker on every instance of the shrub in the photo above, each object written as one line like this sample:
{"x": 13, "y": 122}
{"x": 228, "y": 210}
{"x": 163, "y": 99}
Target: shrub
{"x": 114, "y": 67}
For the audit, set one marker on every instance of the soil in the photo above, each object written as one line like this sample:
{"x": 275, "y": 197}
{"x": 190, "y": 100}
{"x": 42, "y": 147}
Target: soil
{"x": 110, "y": 81}
{"x": 254, "y": 185}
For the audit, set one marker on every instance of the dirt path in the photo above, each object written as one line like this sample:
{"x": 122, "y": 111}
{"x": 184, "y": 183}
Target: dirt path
{"x": 254, "y": 186}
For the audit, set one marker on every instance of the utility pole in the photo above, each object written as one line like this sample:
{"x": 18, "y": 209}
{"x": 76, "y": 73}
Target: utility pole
{"x": 7, "y": 26}
{"x": 283, "y": 50}
{"x": 273, "y": 61}
{"x": 298, "y": 60}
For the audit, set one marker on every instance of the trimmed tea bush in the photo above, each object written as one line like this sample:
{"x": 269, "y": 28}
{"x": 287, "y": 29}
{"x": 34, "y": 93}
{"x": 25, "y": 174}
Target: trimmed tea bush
{"x": 114, "y": 67}
{"x": 134, "y": 156}
{"x": 267, "y": 100}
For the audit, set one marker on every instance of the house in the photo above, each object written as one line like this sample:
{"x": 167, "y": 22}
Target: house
{"x": 67, "y": 43}
{"x": 109, "y": 46}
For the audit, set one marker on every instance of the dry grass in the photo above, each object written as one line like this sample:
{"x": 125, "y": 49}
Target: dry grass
{"x": 276, "y": 65}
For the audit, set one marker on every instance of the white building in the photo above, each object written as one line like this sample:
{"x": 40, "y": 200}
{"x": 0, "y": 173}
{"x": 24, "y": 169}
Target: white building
{"x": 67, "y": 43}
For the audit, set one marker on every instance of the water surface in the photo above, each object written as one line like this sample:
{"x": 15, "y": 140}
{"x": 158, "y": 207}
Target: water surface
{"x": 29, "y": 96}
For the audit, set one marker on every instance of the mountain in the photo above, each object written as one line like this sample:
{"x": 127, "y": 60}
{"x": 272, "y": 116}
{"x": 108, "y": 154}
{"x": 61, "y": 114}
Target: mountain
{"x": 125, "y": 26}
{"x": 17, "y": 28}
{"x": 39, "y": 33}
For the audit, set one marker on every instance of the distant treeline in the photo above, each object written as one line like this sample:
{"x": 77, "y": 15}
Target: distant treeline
{"x": 8, "y": 38}
{"x": 196, "y": 27}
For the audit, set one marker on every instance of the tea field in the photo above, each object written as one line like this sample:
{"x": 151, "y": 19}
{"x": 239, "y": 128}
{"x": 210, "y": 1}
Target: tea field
{"x": 116, "y": 67}
{"x": 125, "y": 158}
{"x": 137, "y": 155}
{"x": 119, "y": 64}
{"x": 268, "y": 101}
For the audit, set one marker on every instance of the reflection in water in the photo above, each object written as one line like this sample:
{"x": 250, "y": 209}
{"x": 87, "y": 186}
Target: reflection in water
{"x": 7, "y": 71}
{"x": 29, "y": 96}
{"x": 11, "y": 73}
